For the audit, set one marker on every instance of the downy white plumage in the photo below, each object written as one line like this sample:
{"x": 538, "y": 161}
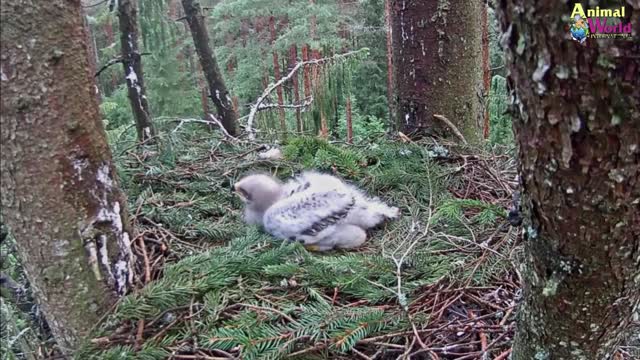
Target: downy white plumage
{"x": 319, "y": 210}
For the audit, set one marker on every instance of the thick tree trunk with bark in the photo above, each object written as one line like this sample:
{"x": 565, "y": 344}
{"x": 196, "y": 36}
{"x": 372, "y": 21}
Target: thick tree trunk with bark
{"x": 486, "y": 71}
{"x": 132, "y": 64}
{"x": 60, "y": 196}
{"x": 438, "y": 68}
{"x": 217, "y": 87}
{"x": 578, "y": 132}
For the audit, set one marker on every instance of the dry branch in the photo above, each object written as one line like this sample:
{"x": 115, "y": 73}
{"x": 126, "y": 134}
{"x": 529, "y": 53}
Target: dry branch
{"x": 302, "y": 105}
{"x": 256, "y": 106}
{"x": 213, "y": 121}
{"x": 451, "y": 126}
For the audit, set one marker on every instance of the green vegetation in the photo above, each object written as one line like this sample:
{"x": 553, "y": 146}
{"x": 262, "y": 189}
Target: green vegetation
{"x": 228, "y": 287}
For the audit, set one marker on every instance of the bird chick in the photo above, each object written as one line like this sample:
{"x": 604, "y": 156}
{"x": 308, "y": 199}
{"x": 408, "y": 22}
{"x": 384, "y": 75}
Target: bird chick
{"x": 258, "y": 192}
{"x": 319, "y": 210}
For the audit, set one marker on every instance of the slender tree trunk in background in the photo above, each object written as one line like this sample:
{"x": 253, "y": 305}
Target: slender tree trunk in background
{"x": 204, "y": 91}
{"x": 93, "y": 52}
{"x": 390, "y": 91}
{"x": 217, "y": 87}
{"x": 132, "y": 64}
{"x": 578, "y": 131}
{"x": 437, "y": 51}
{"x": 60, "y": 196}
{"x": 276, "y": 73}
{"x": 349, "y": 121}
{"x": 306, "y": 80}
{"x": 108, "y": 29}
{"x": 486, "y": 71}
{"x": 306, "y": 72}
{"x": 313, "y": 34}
{"x": 174, "y": 13}
{"x": 293, "y": 60}
{"x": 315, "y": 83}
{"x": 313, "y": 22}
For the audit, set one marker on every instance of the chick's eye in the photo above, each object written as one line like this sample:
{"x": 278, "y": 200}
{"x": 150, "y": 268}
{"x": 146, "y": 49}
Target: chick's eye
{"x": 244, "y": 194}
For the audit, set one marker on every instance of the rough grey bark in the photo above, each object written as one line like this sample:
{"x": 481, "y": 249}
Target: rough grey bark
{"x": 60, "y": 196}
{"x": 437, "y": 49}
{"x": 390, "y": 86}
{"x": 132, "y": 65}
{"x": 578, "y": 131}
{"x": 217, "y": 87}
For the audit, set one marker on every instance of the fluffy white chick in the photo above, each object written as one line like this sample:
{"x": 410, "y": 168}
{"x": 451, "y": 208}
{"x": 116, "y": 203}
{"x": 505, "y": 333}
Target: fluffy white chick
{"x": 319, "y": 210}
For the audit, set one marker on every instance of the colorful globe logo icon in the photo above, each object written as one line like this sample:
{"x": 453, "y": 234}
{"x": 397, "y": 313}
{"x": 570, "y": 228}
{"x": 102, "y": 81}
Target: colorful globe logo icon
{"x": 579, "y": 29}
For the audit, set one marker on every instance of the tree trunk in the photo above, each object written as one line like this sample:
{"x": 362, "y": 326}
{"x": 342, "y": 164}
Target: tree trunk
{"x": 204, "y": 92}
{"x": 578, "y": 131}
{"x": 60, "y": 195}
{"x": 217, "y": 87}
{"x": 313, "y": 22}
{"x": 349, "y": 121}
{"x": 438, "y": 66}
{"x": 486, "y": 72}
{"x": 132, "y": 64}
{"x": 293, "y": 60}
{"x": 93, "y": 56}
{"x": 306, "y": 72}
{"x": 108, "y": 29}
{"x": 276, "y": 72}
{"x": 390, "y": 91}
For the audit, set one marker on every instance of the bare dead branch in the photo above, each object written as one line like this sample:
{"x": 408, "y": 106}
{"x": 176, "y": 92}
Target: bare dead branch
{"x": 451, "y": 126}
{"x": 115, "y": 61}
{"x": 304, "y": 104}
{"x": 212, "y": 121}
{"x": 256, "y": 106}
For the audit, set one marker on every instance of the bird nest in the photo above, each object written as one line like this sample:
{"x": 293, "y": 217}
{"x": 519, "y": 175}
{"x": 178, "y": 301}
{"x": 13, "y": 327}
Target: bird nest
{"x": 437, "y": 284}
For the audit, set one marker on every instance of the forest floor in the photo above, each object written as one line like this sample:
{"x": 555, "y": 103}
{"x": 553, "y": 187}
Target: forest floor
{"x": 439, "y": 283}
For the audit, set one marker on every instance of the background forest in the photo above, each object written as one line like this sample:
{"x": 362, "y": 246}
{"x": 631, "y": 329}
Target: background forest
{"x": 312, "y": 85}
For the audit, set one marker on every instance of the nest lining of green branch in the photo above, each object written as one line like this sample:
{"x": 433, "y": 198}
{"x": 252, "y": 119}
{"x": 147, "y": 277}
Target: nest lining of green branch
{"x": 439, "y": 283}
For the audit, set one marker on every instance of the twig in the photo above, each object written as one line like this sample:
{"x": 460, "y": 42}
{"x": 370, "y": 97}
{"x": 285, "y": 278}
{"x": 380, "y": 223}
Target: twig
{"x": 145, "y": 257}
{"x": 221, "y": 127}
{"x": 399, "y": 262}
{"x": 304, "y": 104}
{"x": 308, "y": 350}
{"x": 116, "y": 60}
{"x": 503, "y": 356}
{"x": 256, "y": 307}
{"x": 256, "y": 106}
{"x": 361, "y": 354}
{"x": 451, "y": 126}
{"x": 139, "y": 333}
{"x": 213, "y": 121}
{"x": 198, "y": 357}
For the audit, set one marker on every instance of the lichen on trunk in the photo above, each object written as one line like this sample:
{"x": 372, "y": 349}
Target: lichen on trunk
{"x": 217, "y": 88}
{"x": 577, "y": 126}
{"x": 132, "y": 65}
{"x": 60, "y": 196}
{"x": 437, "y": 66}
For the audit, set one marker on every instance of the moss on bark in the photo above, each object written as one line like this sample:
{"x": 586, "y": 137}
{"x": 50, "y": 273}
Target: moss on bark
{"x": 578, "y": 132}
{"x": 438, "y": 66}
{"x": 59, "y": 193}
